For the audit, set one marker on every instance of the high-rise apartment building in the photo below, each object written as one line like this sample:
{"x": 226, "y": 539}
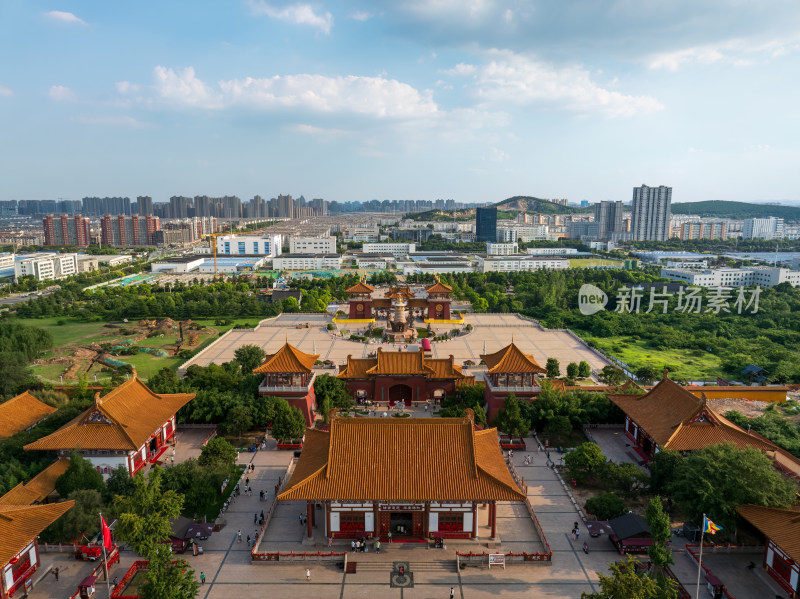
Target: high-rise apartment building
{"x": 608, "y": 215}
{"x": 99, "y": 206}
{"x": 285, "y": 206}
{"x": 67, "y": 230}
{"x": 763, "y": 228}
{"x": 129, "y": 231}
{"x": 486, "y": 224}
{"x": 180, "y": 206}
{"x": 144, "y": 206}
{"x": 651, "y": 213}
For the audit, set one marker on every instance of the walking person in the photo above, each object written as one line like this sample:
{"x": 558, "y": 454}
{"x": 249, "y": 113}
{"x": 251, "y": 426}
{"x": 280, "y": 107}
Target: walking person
{"x": 248, "y": 541}
{"x": 202, "y": 577}
{"x": 55, "y": 573}
{"x": 239, "y": 536}
{"x": 452, "y": 593}
{"x": 308, "y": 574}
{"x": 255, "y": 518}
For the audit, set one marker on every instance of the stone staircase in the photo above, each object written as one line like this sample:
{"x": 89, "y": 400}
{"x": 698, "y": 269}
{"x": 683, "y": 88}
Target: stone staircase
{"x": 432, "y": 566}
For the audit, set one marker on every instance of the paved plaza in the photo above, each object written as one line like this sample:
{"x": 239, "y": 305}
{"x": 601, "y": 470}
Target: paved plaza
{"x": 490, "y": 333}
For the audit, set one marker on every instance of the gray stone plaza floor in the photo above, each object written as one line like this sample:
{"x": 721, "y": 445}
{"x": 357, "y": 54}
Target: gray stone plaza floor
{"x": 490, "y": 333}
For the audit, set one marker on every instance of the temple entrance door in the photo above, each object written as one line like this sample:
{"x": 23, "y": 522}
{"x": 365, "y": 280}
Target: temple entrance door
{"x": 401, "y": 523}
{"x": 400, "y": 393}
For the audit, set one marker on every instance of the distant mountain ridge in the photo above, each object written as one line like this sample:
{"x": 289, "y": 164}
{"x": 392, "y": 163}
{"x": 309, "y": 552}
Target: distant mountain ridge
{"x": 737, "y": 210}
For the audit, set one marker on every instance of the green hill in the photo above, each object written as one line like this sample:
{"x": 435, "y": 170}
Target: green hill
{"x": 738, "y": 210}
{"x": 537, "y": 205}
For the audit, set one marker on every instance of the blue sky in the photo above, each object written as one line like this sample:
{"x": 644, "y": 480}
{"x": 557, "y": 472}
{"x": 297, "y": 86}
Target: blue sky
{"x": 473, "y": 100}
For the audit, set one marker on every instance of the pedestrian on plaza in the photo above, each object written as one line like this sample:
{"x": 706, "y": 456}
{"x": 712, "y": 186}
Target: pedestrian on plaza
{"x": 255, "y": 518}
{"x": 262, "y": 514}
{"x": 308, "y": 574}
{"x": 540, "y": 448}
{"x": 353, "y": 545}
{"x": 330, "y": 541}
{"x": 452, "y": 593}
{"x": 390, "y": 536}
{"x": 55, "y": 573}
{"x": 577, "y": 533}
{"x": 239, "y": 536}
{"x": 248, "y": 541}
{"x": 115, "y": 582}
{"x": 573, "y": 534}
{"x": 301, "y": 519}
{"x": 247, "y": 481}
{"x": 377, "y": 546}
{"x": 202, "y": 577}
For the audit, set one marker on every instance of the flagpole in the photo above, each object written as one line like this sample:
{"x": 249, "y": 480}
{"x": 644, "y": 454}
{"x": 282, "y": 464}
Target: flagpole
{"x": 105, "y": 560}
{"x": 700, "y": 561}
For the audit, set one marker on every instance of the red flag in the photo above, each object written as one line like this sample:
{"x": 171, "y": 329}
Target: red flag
{"x": 107, "y": 542}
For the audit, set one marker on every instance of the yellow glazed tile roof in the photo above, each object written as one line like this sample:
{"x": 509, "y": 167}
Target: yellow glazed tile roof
{"x": 38, "y": 488}
{"x": 782, "y": 526}
{"x": 360, "y": 287}
{"x": 394, "y": 363}
{"x": 356, "y": 368}
{"x": 411, "y": 459}
{"x": 288, "y": 359}
{"x": 19, "y": 525}
{"x": 123, "y": 419}
{"x": 511, "y": 359}
{"x": 20, "y": 413}
{"x": 400, "y": 363}
{"x": 677, "y": 419}
{"x": 439, "y": 287}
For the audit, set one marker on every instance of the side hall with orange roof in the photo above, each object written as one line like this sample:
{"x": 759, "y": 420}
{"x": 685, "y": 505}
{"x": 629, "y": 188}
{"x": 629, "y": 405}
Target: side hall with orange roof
{"x": 130, "y": 426}
{"x": 413, "y": 477}
{"x": 510, "y": 370}
{"x": 21, "y": 413}
{"x": 671, "y": 417}
{"x": 402, "y": 377}
{"x": 39, "y": 489}
{"x": 781, "y": 529}
{"x": 20, "y": 526}
{"x": 288, "y": 373}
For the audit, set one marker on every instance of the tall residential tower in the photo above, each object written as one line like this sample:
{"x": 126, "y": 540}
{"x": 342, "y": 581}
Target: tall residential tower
{"x": 651, "y": 213}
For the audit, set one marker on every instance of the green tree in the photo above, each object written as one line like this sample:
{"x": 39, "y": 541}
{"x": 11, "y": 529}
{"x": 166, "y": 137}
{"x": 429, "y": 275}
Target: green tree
{"x": 658, "y": 521}
{"x": 587, "y": 460}
{"x": 217, "y": 452}
{"x": 289, "y": 422}
{"x": 249, "y": 357}
{"x": 81, "y": 520}
{"x": 663, "y": 470}
{"x": 480, "y": 305}
{"x": 605, "y": 506}
{"x": 646, "y": 374}
{"x": 14, "y": 372}
{"x": 572, "y": 370}
{"x": 719, "y": 478}
{"x": 331, "y": 393}
{"x": 119, "y": 483}
{"x": 553, "y": 368}
{"x": 510, "y": 419}
{"x": 626, "y": 582}
{"x": 79, "y": 475}
{"x": 584, "y": 370}
{"x": 239, "y": 419}
{"x": 611, "y": 375}
{"x": 144, "y": 524}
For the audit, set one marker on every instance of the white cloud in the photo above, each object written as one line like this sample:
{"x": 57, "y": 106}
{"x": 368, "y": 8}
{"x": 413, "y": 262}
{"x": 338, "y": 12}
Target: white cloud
{"x": 110, "y": 121}
{"x": 64, "y": 17}
{"x": 4, "y": 91}
{"x": 360, "y": 15}
{"x": 738, "y": 52}
{"x": 184, "y": 88}
{"x": 460, "y": 69}
{"x": 59, "y": 93}
{"x": 318, "y": 131}
{"x": 695, "y": 150}
{"x": 513, "y": 78}
{"x": 126, "y": 87}
{"x": 371, "y": 96}
{"x": 300, "y": 14}
{"x": 497, "y": 155}
{"x": 759, "y": 148}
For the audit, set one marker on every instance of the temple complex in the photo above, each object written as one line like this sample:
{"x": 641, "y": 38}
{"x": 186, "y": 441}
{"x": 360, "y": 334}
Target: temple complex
{"x": 395, "y": 377}
{"x": 431, "y": 306}
{"x": 420, "y": 477}
{"x": 130, "y": 426}
{"x": 21, "y": 413}
{"x": 288, "y": 373}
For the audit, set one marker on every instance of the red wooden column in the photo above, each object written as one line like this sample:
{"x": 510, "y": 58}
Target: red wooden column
{"x": 493, "y": 517}
{"x": 309, "y": 518}
{"x": 376, "y": 521}
{"x": 474, "y": 520}
{"x": 426, "y": 520}
{"x": 328, "y": 518}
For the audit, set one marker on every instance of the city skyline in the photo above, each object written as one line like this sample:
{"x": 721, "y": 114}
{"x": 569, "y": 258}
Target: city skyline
{"x": 352, "y": 102}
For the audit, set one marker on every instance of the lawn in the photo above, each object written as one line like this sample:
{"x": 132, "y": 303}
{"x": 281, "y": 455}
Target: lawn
{"x": 590, "y": 262}
{"x": 690, "y": 364}
{"x": 71, "y": 332}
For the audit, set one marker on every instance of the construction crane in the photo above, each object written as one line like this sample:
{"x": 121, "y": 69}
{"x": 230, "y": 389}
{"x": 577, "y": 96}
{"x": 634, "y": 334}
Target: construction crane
{"x": 213, "y": 237}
